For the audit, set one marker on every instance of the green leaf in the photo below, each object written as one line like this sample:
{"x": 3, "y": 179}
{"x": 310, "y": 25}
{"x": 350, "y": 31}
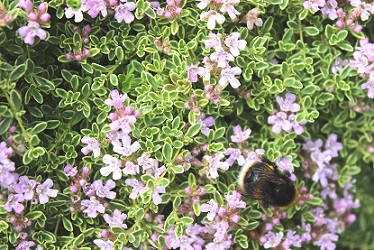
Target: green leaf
{"x": 139, "y": 214}
{"x": 193, "y": 130}
{"x": 16, "y": 99}
{"x": 311, "y": 31}
{"x": 67, "y": 224}
{"x": 40, "y": 127}
{"x": 5, "y": 124}
{"x": 178, "y": 169}
{"x": 119, "y": 53}
{"x": 34, "y": 215}
{"x": 44, "y": 83}
{"x": 17, "y": 72}
{"x": 174, "y": 27}
{"x": 308, "y": 216}
{"x": 187, "y": 220}
{"x": 196, "y": 208}
{"x": 167, "y": 151}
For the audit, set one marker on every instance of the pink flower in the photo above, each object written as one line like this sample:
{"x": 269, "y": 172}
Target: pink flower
{"x": 287, "y": 104}
{"x": 280, "y": 122}
{"x": 104, "y": 245}
{"x": 370, "y": 86}
{"x": 93, "y": 145}
{"x": 113, "y": 166}
{"x": 104, "y": 191}
{"x": 77, "y": 13}
{"x": 228, "y": 6}
{"x": 44, "y": 190}
{"x": 193, "y": 72}
{"x": 214, "y": 41}
{"x": 30, "y": 31}
{"x": 122, "y": 12}
{"x": 203, "y": 4}
{"x": 125, "y": 148}
{"x": 138, "y": 188}
{"x": 116, "y": 220}
{"x": 156, "y": 198}
{"x": 253, "y": 19}
{"x": 314, "y": 4}
{"x": 25, "y": 187}
{"x": 25, "y": 4}
{"x": 95, "y": 7}
{"x": 240, "y": 136}
{"x": 228, "y": 76}
{"x": 211, "y": 207}
{"x": 93, "y": 206}
{"x": 13, "y": 203}
{"x": 117, "y": 99}
{"x": 130, "y": 168}
{"x": 273, "y": 240}
{"x": 213, "y": 164}
{"x": 212, "y": 17}
{"x": 234, "y": 44}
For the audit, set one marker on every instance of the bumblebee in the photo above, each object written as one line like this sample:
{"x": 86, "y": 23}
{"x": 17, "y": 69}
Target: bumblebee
{"x": 262, "y": 180}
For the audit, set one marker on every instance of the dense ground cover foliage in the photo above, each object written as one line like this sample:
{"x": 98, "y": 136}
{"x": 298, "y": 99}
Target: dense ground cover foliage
{"x": 124, "y": 124}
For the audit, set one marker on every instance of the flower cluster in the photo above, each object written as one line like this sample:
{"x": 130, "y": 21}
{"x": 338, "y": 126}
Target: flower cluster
{"x": 17, "y": 191}
{"x": 193, "y": 195}
{"x": 328, "y": 225}
{"x": 220, "y": 220}
{"x": 171, "y": 11}
{"x": 285, "y": 119}
{"x": 226, "y": 49}
{"x": 96, "y": 192}
{"x": 5, "y": 18}
{"x": 80, "y": 53}
{"x": 218, "y": 8}
{"x": 122, "y": 10}
{"x": 323, "y": 232}
{"x": 363, "y": 62}
{"x": 321, "y": 159}
{"x": 36, "y": 20}
{"x": 358, "y": 10}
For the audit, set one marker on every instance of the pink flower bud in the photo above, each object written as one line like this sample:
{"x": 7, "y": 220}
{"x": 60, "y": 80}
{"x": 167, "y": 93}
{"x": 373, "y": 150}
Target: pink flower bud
{"x": 351, "y": 218}
{"x": 268, "y": 226}
{"x": 78, "y": 57}
{"x": 12, "y": 129}
{"x": 25, "y": 4}
{"x": 112, "y": 2}
{"x": 69, "y": 56}
{"x": 170, "y": 3}
{"x": 154, "y": 237}
{"x": 168, "y": 14}
{"x": 86, "y": 52}
{"x": 73, "y": 189}
{"x": 113, "y": 116}
{"x": 188, "y": 190}
{"x": 178, "y": 11}
{"x": 128, "y": 110}
{"x": 136, "y": 113}
{"x": 104, "y": 233}
{"x": 235, "y": 218}
{"x": 42, "y": 8}
{"x": 45, "y": 17}
{"x": 201, "y": 191}
{"x": 32, "y": 16}
{"x": 85, "y": 171}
